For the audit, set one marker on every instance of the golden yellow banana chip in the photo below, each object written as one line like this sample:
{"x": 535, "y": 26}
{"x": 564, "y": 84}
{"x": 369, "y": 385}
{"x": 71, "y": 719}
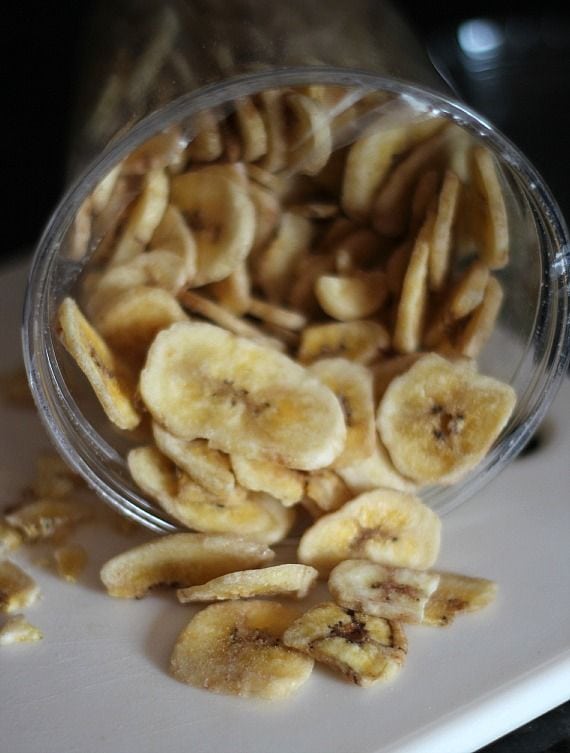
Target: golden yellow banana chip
{"x": 360, "y": 340}
{"x": 285, "y": 484}
{"x": 348, "y": 298}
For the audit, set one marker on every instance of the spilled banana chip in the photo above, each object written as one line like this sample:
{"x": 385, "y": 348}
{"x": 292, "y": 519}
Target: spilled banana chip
{"x": 199, "y": 380}
{"x": 456, "y": 594}
{"x": 221, "y": 217}
{"x": 10, "y": 538}
{"x": 107, "y": 376}
{"x": 383, "y": 525}
{"x": 179, "y": 559}
{"x": 438, "y": 419}
{"x": 17, "y": 589}
{"x": 352, "y": 385}
{"x": 70, "y": 561}
{"x": 290, "y": 580}
{"x": 47, "y": 518}
{"x": 208, "y": 467}
{"x": 18, "y": 630}
{"x": 285, "y": 484}
{"x": 360, "y": 341}
{"x": 237, "y": 648}
{"x": 395, "y": 593}
{"x": 363, "y": 648}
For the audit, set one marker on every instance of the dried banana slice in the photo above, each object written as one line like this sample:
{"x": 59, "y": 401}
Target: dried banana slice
{"x": 439, "y": 419}
{"x": 221, "y": 217}
{"x": 143, "y": 218}
{"x": 363, "y": 648}
{"x": 272, "y": 112}
{"x": 316, "y": 210}
{"x": 479, "y": 328}
{"x": 209, "y": 468}
{"x": 301, "y": 295}
{"x": 376, "y": 470}
{"x": 456, "y": 594}
{"x": 488, "y": 220}
{"x": 236, "y": 648}
{"x": 361, "y": 341}
{"x": 173, "y": 234}
{"x": 17, "y": 589}
{"x": 384, "y": 525}
{"x": 352, "y": 384}
{"x": 361, "y": 249}
{"x": 18, "y": 630}
{"x": 181, "y": 559}
{"x": 308, "y": 134}
{"x": 217, "y": 314}
{"x": 413, "y": 298}
{"x": 260, "y": 518}
{"x": 155, "y": 153}
{"x": 47, "y": 518}
{"x": 101, "y": 194}
{"x": 463, "y": 298}
{"x": 395, "y": 593}
{"x": 275, "y": 479}
{"x": 234, "y": 291}
{"x": 425, "y": 192}
{"x": 391, "y": 210}
{"x": 371, "y": 157}
{"x": 251, "y": 129}
{"x": 10, "y": 538}
{"x": 352, "y": 297}
{"x": 280, "y": 258}
{"x": 267, "y": 216}
{"x": 385, "y": 370}
{"x": 327, "y": 490}
{"x": 272, "y": 314}
{"x": 202, "y": 381}
{"x": 207, "y": 144}
{"x": 70, "y": 561}
{"x": 106, "y": 375}
{"x": 442, "y": 238}
{"x": 290, "y": 580}
{"x": 132, "y": 319}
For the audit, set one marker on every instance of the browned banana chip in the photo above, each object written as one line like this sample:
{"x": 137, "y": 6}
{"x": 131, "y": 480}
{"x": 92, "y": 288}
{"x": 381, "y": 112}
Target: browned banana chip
{"x": 348, "y": 298}
{"x": 327, "y": 490}
{"x": 363, "y": 648}
{"x": 236, "y": 648}
{"x": 463, "y": 298}
{"x": 131, "y": 321}
{"x": 413, "y": 299}
{"x": 391, "y": 210}
{"x": 308, "y": 134}
{"x": 361, "y": 341}
{"x": 180, "y": 559}
{"x": 442, "y": 234}
{"x": 479, "y": 328}
{"x": 456, "y": 594}
{"x": 278, "y": 262}
{"x": 101, "y": 367}
{"x": 206, "y": 144}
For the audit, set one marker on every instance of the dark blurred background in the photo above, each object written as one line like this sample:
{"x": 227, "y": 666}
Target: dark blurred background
{"x": 511, "y": 65}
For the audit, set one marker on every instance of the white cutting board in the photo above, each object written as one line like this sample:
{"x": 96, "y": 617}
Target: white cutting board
{"x": 98, "y": 682}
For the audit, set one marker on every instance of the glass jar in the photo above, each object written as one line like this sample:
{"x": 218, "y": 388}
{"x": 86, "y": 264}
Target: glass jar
{"x": 530, "y": 347}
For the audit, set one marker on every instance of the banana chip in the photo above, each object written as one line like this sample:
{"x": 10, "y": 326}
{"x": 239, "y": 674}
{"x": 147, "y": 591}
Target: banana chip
{"x": 173, "y": 234}
{"x": 202, "y": 381}
{"x": 441, "y": 240}
{"x": 70, "y": 561}
{"x": 361, "y": 341}
{"x": 272, "y": 314}
{"x": 180, "y": 559}
{"x": 280, "y": 482}
{"x": 456, "y": 594}
{"x": 283, "y": 254}
{"x": 237, "y": 648}
{"x": 10, "y": 538}
{"x": 348, "y": 298}
{"x": 439, "y": 419}
{"x": 18, "y": 630}
{"x": 291, "y": 580}
{"x": 374, "y": 471}
{"x": 363, "y": 648}
{"x": 327, "y": 490}
{"x": 384, "y": 525}
{"x": 221, "y": 217}
{"x": 47, "y": 518}
{"x": 101, "y": 367}
{"x": 395, "y": 593}
{"x": 481, "y": 323}
{"x": 234, "y": 291}
{"x": 207, "y": 144}
{"x": 270, "y": 103}
{"x": 308, "y": 134}
{"x": 17, "y": 589}
{"x": 352, "y": 385}
{"x": 488, "y": 214}
{"x": 251, "y": 129}
{"x": 267, "y": 217}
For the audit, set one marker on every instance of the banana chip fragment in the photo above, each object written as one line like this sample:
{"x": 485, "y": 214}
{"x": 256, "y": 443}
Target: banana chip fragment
{"x": 439, "y": 419}
{"x": 18, "y": 630}
{"x": 290, "y": 580}
{"x": 180, "y": 559}
{"x": 383, "y": 525}
{"x": 395, "y": 593}
{"x": 236, "y": 648}
{"x": 363, "y": 648}
{"x": 202, "y": 381}
{"x": 47, "y": 518}
{"x": 456, "y": 594}
{"x": 17, "y": 589}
